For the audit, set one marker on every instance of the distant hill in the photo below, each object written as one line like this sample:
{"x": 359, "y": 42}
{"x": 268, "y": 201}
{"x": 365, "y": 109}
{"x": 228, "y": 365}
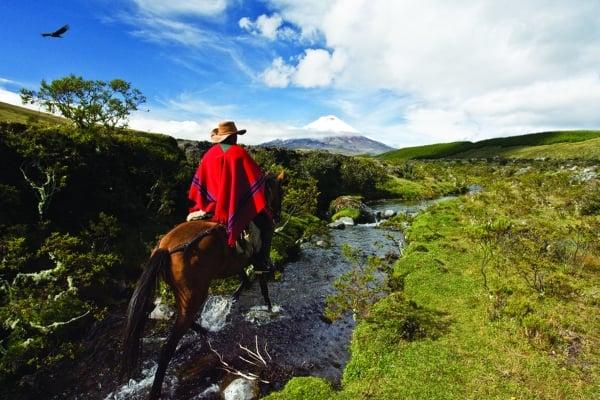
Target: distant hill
{"x": 11, "y": 113}
{"x": 511, "y": 146}
{"x": 346, "y": 144}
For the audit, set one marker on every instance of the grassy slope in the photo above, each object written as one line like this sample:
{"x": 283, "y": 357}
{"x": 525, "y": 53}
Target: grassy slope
{"x": 514, "y": 146}
{"x": 588, "y": 149}
{"x": 508, "y": 342}
{"x": 9, "y": 112}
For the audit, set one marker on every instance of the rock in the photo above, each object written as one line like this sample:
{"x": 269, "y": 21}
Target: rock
{"x": 241, "y": 389}
{"x": 161, "y": 311}
{"x": 345, "y": 202}
{"x": 585, "y": 175}
{"x": 387, "y": 214}
{"x": 353, "y": 203}
{"x": 346, "y": 221}
{"x": 338, "y": 224}
{"x": 523, "y": 170}
{"x": 322, "y": 243}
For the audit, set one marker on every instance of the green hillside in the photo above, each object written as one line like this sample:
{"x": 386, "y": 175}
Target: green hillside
{"x": 11, "y": 113}
{"x": 512, "y": 146}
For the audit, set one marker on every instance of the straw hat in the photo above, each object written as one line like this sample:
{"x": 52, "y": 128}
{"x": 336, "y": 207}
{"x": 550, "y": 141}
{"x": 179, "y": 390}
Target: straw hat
{"x": 224, "y": 130}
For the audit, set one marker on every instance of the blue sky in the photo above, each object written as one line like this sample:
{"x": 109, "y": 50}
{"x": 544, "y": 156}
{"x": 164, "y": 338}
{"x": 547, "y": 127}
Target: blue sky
{"x": 401, "y": 73}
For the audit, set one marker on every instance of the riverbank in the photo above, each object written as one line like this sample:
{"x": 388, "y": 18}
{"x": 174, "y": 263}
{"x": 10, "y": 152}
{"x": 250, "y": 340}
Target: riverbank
{"x": 496, "y": 296}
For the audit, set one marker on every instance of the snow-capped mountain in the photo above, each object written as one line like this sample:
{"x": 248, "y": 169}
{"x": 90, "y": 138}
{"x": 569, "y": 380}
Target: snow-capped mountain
{"x": 330, "y": 123}
{"x": 331, "y": 134}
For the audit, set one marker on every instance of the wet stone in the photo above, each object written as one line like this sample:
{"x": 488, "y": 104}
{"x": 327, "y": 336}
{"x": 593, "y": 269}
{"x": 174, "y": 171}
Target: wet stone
{"x": 338, "y": 224}
{"x": 241, "y": 389}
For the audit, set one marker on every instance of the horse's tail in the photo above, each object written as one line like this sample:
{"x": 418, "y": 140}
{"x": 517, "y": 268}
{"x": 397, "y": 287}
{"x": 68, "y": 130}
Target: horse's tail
{"x": 138, "y": 306}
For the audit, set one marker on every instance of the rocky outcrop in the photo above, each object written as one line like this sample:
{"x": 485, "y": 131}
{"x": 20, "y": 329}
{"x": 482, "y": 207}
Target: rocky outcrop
{"x": 352, "y": 207}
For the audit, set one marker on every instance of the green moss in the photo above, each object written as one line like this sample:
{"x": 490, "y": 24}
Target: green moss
{"x": 353, "y": 213}
{"x": 304, "y": 388}
{"x": 405, "y": 189}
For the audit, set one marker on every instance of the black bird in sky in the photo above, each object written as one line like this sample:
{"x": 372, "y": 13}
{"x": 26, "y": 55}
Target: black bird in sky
{"x": 57, "y": 33}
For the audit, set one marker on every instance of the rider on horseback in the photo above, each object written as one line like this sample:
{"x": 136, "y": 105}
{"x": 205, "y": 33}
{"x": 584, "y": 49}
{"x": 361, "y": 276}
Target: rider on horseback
{"x": 229, "y": 188}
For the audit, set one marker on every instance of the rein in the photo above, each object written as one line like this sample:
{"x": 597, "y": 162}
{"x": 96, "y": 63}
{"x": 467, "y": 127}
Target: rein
{"x": 199, "y": 236}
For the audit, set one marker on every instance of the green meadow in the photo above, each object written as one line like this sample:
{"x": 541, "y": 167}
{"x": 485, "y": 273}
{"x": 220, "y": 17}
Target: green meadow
{"x": 524, "y": 146}
{"x": 495, "y": 297}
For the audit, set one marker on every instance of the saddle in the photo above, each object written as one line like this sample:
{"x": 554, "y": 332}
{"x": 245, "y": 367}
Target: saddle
{"x": 249, "y": 242}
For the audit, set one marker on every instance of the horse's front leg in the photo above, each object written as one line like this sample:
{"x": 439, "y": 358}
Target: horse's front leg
{"x": 262, "y": 279}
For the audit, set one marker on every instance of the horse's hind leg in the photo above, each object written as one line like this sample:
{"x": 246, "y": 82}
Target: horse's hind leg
{"x": 186, "y": 315}
{"x": 182, "y": 324}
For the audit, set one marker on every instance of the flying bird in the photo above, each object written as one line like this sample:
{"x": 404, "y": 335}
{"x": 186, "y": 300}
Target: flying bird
{"x": 57, "y": 33}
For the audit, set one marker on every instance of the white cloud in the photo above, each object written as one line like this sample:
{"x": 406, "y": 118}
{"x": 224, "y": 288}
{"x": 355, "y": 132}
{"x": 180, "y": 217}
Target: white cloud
{"x": 474, "y": 69}
{"x": 10, "y": 97}
{"x": 194, "y": 104}
{"x": 168, "y": 21}
{"x": 278, "y": 75}
{"x": 439, "y": 48}
{"x": 258, "y": 131}
{"x": 316, "y": 68}
{"x": 6, "y": 96}
{"x": 4, "y": 81}
{"x": 157, "y": 29}
{"x": 266, "y": 26}
{"x": 183, "y": 7}
{"x": 540, "y": 106}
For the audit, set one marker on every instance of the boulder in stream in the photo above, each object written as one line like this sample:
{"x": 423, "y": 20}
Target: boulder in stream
{"x": 241, "y": 389}
{"x": 387, "y": 214}
{"x": 337, "y": 224}
{"x": 346, "y": 221}
{"x": 161, "y": 311}
{"x": 351, "y": 206}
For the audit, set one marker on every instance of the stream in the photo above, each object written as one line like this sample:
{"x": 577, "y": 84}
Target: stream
{"x": 294, "y": 340}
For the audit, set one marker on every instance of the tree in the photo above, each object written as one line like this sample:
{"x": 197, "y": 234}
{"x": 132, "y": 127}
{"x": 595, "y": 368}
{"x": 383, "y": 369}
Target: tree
{"x": 87, "y": 102}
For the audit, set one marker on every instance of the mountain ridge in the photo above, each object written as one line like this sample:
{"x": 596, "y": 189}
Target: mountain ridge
{"x": 342, "y": 144}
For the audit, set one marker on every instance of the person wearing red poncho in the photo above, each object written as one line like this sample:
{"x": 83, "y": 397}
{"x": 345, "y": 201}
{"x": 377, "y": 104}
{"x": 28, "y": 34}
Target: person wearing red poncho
{"x": 229, "y": 188}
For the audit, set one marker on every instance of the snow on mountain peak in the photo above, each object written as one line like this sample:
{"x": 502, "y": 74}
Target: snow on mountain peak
{"x": 330, "y": 123}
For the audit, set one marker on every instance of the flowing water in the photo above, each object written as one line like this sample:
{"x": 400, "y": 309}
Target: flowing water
{"x": 294, "y": 339}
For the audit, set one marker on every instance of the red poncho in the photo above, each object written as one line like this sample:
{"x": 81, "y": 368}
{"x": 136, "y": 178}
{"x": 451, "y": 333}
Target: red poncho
{"x": 230, "y": 186}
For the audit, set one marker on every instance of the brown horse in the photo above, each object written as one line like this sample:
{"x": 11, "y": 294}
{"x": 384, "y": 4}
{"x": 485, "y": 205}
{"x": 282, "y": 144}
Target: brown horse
{"x": 188, "y": 258}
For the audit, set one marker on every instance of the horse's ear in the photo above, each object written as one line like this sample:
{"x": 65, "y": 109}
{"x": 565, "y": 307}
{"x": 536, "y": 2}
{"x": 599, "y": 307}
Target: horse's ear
{"x": 281, "y": 176}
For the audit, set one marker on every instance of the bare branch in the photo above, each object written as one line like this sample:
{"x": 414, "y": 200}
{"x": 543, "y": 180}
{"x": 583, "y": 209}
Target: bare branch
{"x": 253, "y": 355}
{"x": 54, "y": 325}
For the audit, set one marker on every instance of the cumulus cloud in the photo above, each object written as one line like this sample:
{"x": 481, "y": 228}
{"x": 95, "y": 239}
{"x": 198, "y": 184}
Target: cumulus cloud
{"x": 315, "y": 68}
{"x": 278, "y": 75}
{"x": 570, "y": 103}
{"x": 318, "y": 68}
{"x": 258, "y": 131}
{"x": 266, "y": 26}
{"x": 438, "y": 47}
{"x": 473, "y": 70}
